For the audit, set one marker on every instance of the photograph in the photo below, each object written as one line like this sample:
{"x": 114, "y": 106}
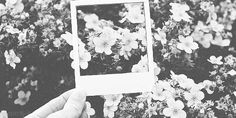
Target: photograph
{"x": 112, "y": 44}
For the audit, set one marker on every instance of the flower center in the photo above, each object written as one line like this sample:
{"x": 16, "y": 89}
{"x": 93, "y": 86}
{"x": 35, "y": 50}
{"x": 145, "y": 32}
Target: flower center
{"x": 175, "y": 111}
{"x": 105, "y": 44}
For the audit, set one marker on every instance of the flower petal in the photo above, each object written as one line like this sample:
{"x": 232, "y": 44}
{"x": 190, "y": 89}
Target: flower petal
{"x": 179, "y": 104}
{"x": 181, "y": 114}
{"x": 84, "y": 65}
{"x": 167, "y": 111}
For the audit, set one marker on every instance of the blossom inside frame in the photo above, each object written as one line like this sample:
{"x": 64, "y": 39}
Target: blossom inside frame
{"x": 114, "y": 36}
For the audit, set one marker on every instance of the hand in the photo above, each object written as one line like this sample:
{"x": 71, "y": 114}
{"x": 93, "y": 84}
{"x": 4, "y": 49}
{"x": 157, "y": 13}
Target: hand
{"x": 70, "y": 104}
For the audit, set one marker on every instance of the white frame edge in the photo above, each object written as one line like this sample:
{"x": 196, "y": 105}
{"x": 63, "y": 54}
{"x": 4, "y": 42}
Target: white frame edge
{"x": 114, "y": 83}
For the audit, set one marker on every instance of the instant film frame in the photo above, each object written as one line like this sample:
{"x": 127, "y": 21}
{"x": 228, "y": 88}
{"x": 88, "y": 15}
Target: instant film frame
{"x": 114, "y": 83}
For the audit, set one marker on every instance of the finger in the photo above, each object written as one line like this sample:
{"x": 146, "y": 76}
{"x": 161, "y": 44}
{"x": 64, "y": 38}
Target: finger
{"x": 63, "y": 114}
{"x": 52, "y": 106}
{"x": 58, "y": 114}
{"x": 75, "y": 104}
{"x": 84, "y": 114}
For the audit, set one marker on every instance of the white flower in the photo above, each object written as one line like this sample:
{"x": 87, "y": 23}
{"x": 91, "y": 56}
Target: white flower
{"x": 194, "y": 97}
{"x": 158, "y": 93}
{"x": 90, "y": 111}
{"x": 134, "y": 14}
{"x": 11, "y": 58}
{"x": 179, "y": 12}
{"x": 16, "y": 5}
{"x": 22, "y": 37}
{"x": 68, "y": 37}
{"x": 215, "y": 60}
{"x": 109, "y": 111}
{"x": 113, "y": 100}
{"x": 232, "y": 72}
{"x": 142, "y": 65}
{"x": 92, "y": 21}
{"x": 23, "y": 98}
{"x": 201, "y": 27}
{"x": 160, "y": 36}
{"x": 3, "y": 114}
{"x": 174, "y": 109}
{"x": 219, "y": 41}
{"x": 187, "y": 44}
{"x": 12, "y": 30}
{"x": 84, "y": 58}
{"x": 129, "y": 40}
{"x": 105, "y": 41}
{"x": 152, "y": 109}
{"x": 203, "y": 39}
{"x": 216, "y": 26}
{"x": 141, "y": 35}
{"x": 205, "y": 5}
{"x": 209, "y": 86}
{"x": 57, "y": 42}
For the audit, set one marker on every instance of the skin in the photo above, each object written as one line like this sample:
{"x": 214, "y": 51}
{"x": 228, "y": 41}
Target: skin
{"x": 70, "y": 104}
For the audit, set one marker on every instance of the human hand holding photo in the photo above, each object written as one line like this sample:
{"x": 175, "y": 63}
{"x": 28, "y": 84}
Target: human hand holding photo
{"x": 70, "y": 104}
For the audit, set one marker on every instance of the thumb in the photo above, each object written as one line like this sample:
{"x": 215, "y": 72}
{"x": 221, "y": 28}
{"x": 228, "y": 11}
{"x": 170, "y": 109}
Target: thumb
{"x": 73, "y": 107}
{"x": 75, "y": 104}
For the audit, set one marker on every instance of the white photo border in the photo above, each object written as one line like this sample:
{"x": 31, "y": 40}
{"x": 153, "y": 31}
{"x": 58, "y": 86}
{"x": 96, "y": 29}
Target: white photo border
{"x": 114, "y": 83}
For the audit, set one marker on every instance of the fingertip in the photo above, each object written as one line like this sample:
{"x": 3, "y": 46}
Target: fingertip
{"x": 80, "y": 92}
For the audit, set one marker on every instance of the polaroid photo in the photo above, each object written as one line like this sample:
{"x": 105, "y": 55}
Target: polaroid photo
{"x": 114, "y": 46}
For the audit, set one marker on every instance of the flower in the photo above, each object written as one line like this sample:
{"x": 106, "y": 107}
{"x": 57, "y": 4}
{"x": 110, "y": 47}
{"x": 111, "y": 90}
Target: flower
{"x": 129, "y": 40}
{"x": 215, "y": 26}
{"x": 105, "y": 41}
{"x": 109, "y": 110}
{"x": 11, "y": 58}
{"x": 71, "y": 39}
{"x": 209, "y": 86}
{"x": 194, "y": 97}
{"x": 90, "y": 111}
{"x": 22, "y": 37}
{"x": 84, "y": 58}
{"x": 232, "y": 72}
{"x": 219, "y": 41}
{"x": 23, "y": 98}
{"x": 113, "y": 99}
{"x": 16, "y": 5}
{"x": 158, "y": 93}
{"x": 3, "y": 114}
{"x": 160, "y": 36}
{"x": 57, "y": 42}
{"x": 203, "y": 39}
{"x": 179, "y": 12}
{"x": 187, "y": 44}
{"x": 205, "y": 5}
{"x": 134, "y": 14}
{"x": 141, "y": 35}
{"x": 142, "y": 65}
{"x": 174, "y": 109}
{"x": 183, "y": 81}
{"x": 92, "y": 21}
{"x": 68, "y": 37}
{"x": 152, "y": 109}
{"x": 215, "y": 60}
{"x": 10, "y": 29}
